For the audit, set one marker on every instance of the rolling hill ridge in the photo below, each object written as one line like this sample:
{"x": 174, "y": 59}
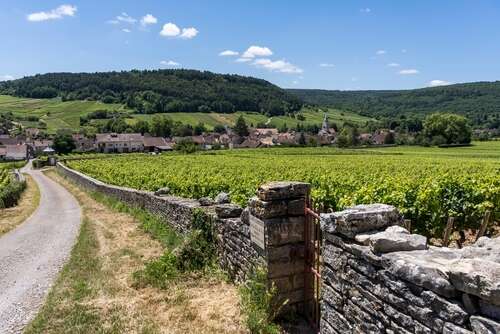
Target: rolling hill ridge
{"x": 479, "y": 101}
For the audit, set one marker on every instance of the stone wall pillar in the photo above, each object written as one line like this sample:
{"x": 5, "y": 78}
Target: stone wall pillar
{"x": 277, "y": 222}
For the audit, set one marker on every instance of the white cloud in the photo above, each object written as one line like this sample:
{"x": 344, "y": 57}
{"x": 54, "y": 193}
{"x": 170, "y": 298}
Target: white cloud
{"x": 228, "y": 53}
{"x": 126, "y": 30}
{"x": 148, "y": 19}
{"x": 393, "y": 65}
{"x": 169, "y": 63}
{"x": 189, "y": 33}
{"x": 6, "y": 77}
{"x": 326, "y": 65}
{"x": 408, "y": 71}
{"x": 257, "y": 51}
{"x": 243, "y": 60}
{"x": 380, "y": 52}
{"x": 124, "y": 17}
{"x": 54, "y": 14}
{"x": 277, "y": 66}
{"x": 295, "y": 82}
{"x": 172, "y": 30}
{"x": 365, "y": 10}
{"x": 435, "y": 83}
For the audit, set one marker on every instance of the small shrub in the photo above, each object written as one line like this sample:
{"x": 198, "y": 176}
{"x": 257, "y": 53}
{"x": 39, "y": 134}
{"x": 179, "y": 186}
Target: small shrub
{"x": 186, "y": 146}
{"x": 196, "y": 253}
{"x": 158, "y": 272}
{"x": 259, "y": 305}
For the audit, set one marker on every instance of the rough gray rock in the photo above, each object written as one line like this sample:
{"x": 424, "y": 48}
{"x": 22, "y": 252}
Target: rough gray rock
{"x": 162, "y": 191}
{"x": 477, "y": 277}
{"x": 282, "y": 190}
{"x": 222, "y": 198}
{"x": 361, "y": 219}
{"x": 206, "y": 201}
{"x": 228, "y": 210}
{"x": 393, "y": 239}
{"x": 419, "y": 268}
{"x": 482, "y": 325}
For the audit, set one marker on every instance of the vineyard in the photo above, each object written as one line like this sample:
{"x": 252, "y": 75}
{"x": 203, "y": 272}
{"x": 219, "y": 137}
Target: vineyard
{"x": 10, "y": 189}
{"x": 426, "y": 184}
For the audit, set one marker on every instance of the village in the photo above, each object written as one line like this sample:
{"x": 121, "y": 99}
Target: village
{"x": 33, "y": 142}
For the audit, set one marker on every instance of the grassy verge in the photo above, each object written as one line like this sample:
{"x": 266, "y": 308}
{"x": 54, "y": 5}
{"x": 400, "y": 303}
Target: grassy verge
{"x": 97, "y": 292}
{"x": 27, "y": 204}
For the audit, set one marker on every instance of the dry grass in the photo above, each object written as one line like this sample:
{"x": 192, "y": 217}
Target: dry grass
{"x": 109, "y": 303}
{"x": 11, "y": 217}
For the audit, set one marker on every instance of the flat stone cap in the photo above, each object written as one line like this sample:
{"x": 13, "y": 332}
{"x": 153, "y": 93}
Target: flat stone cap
{"x": 228, "y": 210}
{"x": 360, "y": 219}
{"x": 282, "y": 190}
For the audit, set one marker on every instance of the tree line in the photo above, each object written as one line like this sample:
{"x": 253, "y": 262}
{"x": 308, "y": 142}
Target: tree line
{"x": 158, "y": 91}
{"x": 479, "y": 102}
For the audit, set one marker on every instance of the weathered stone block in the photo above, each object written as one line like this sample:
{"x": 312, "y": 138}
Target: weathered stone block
{"x": 280, "y": 231}
{"x": 335, "y": 319}
{"x": 477, "y": 277}
{"x": 228, "y": 210}
{"x": 286, "y": 253}
{"x": 222, "y": 198}
{"x": 482, "y": 325}
{"x": 415, "y": 268}
{"x": 450, "y": 328}
{"x": 360, "y": 219}
{"x": 282, "y": 190}
{"x": 448, "y": 310}
{"x": 387, "y": 242}
{"x": 296, "y": 207}
{"x": 285, "y": 269}
{"x": 269, "y": 209}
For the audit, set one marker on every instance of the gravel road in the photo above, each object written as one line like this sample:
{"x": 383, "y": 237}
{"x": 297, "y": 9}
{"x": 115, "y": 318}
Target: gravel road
{"x": 32, "y": 254}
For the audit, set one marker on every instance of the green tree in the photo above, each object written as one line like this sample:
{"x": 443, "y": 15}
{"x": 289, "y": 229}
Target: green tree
{"x": 219, "y": 128}
{"x": 241, "y": 127}
{"x": 199, "y": 129}
{"x": 161, "y": 126}
{"x": 447, "y": 129}
{"x": 141, "y": 127}
{"x": 64, "y": 142}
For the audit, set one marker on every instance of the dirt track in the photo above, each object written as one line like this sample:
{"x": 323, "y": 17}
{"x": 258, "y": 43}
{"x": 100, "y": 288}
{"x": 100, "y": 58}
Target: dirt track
{"x": 32, "y": 254}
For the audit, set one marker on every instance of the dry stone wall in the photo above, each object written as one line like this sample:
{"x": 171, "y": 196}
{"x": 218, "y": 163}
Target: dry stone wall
{"x": 275, "y": 215}
{"x": 376, "y": 276}
{"x": 379, "y": 278}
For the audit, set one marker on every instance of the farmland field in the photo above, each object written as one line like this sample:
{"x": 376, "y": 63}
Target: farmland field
{"x": 426, "y": 184}
{"x": 55, "y": 113}
{"x": 66, "y": 115}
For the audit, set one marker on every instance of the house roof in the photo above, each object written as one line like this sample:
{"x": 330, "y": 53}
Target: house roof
{"x": 265, "y": 131}
{"x": 18, "y": 151}
{"x": 118, "y": 137}
{"x": 154, "y": 141}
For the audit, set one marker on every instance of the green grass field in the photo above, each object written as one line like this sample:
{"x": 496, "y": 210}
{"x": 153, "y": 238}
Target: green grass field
{"x": 66, "y": 115}
{"x": 56, "y": 114}
{"x": 311, "y": 117}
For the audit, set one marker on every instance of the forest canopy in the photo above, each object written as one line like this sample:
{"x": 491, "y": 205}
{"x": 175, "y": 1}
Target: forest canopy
{"x": 156, "y": 91}
{"x": 479, "y": 102}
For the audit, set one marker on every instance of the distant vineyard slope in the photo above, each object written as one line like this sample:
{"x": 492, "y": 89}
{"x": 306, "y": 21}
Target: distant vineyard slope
{"x": 160, "y": 91}
{"x": 479, "y": 101}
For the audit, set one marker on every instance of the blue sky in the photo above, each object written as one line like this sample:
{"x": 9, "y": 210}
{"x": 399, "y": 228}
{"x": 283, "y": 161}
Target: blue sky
{"x": 304, "y": 44}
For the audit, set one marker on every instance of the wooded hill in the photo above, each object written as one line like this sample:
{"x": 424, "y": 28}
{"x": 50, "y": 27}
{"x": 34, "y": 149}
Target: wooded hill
{"x": 160, "y": 91}
{"x": 479, "y": 102}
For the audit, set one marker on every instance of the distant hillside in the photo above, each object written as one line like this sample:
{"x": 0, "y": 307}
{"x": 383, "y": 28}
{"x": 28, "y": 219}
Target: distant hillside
{"x": 160, "y": 91}
{"x": 480, "y": 102}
